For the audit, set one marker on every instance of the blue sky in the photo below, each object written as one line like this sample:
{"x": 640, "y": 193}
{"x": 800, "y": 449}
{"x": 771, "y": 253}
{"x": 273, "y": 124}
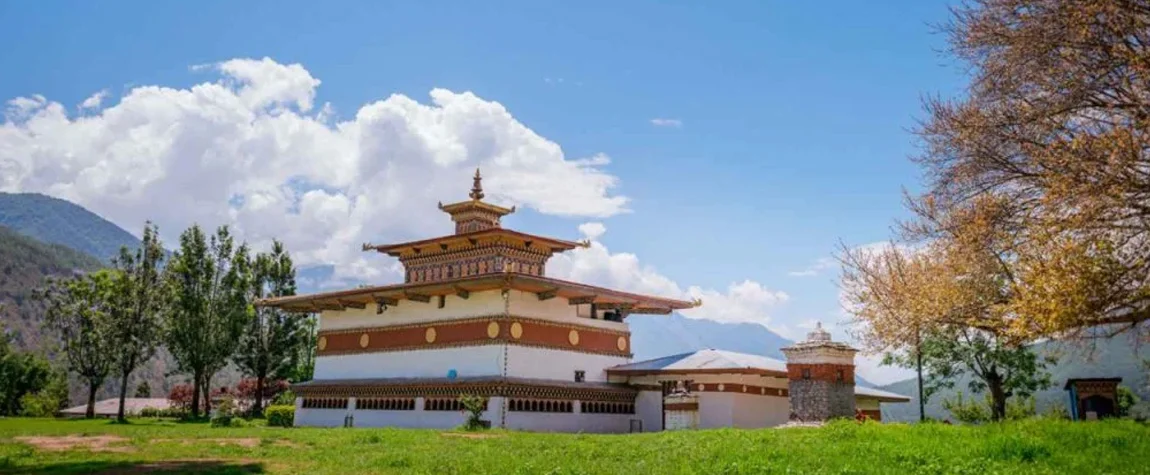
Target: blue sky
{"x": 793, "y": 119}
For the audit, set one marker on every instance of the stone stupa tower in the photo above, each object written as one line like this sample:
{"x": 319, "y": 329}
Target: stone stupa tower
{"x": 821, "y": 375}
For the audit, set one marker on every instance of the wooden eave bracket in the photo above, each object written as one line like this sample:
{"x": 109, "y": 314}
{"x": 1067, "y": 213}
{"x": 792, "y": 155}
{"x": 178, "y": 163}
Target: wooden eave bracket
{"x": 417, "y": 297}
{"x": 461, "y": 292}
{"x": 391, "y": 302}
{"x": 547, "y": 294}
{"x": 352, "y": 304}
{"x": 582, "y": 300}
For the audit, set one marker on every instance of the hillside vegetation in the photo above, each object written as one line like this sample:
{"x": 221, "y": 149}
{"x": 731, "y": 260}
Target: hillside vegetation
{"x": 57, "y": 221}
{"x": 25, "y": 264}
{"x": 1098, "y": 358}
{"x": 1034, "y": 446}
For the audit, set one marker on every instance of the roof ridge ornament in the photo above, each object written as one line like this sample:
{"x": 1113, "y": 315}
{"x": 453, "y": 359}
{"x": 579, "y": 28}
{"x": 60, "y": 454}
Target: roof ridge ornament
{"x": 477, "y": 186}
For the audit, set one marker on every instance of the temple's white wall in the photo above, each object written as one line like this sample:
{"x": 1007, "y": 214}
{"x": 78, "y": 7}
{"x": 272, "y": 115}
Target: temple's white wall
{"x": 529, "y": 362}
{"x": 759, "y": 411}
{"x": 466, "y": 361}
{"x": 527, "y": 304}
{"x": 569, "y": 422}
{"x": 478, "y": 304}
{"x": 649, "y": 409}
{"x": 320, "y": 417}
{"x": 716, "y": 410}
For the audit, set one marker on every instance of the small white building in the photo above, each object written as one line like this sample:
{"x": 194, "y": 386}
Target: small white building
{"x": 476, "y": 315}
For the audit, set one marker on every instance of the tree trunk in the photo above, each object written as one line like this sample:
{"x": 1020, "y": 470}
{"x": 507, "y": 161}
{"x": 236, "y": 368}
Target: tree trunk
{"x": 997, "y": 398}
{"x": 257, "y": 408}
{"x": 91, "y": 412}
{"x": 196, "y": 395}
{"x": 123, "y": 394}
{"x": 921, "y": 393}
{"x": 208, "y": 395}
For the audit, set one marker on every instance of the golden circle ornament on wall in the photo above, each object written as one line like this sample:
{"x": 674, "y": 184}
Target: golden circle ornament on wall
{"x": 492, "y": 330}
{"x": 621, "y": 343}
{"x": 744, "y": 388}
{"x": 322, "y": 343}
{"x": 573, "y": 337}
{"x": 721, "y": 387}
{"x": 516, "y": 330}
{"x": 429, "y": 335}
{"x": 364, "y": 340}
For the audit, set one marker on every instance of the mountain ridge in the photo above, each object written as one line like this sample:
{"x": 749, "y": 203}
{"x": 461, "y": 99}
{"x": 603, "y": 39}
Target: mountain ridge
{"x": 58, "y": 221}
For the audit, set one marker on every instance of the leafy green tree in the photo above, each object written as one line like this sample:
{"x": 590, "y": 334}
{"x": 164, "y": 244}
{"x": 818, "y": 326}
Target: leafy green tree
{"x": 48, "y": 401}
{"x": 209, "y": 279}
{"x": 305, "y": 368}
{"x": 999, "y": 370}
{"x": 20, "y": 373}
{"x": 139, "y": 298}
{"x": 78, "y": 314}
{"x": 1126, "y": 400}
{"x": 143, "y": 390}
{"x": 270, "y": 346}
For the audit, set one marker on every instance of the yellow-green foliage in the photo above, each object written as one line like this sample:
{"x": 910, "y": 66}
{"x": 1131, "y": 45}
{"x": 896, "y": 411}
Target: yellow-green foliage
{"x": 280, "y": 416}
{"x": 1030, "y": 446}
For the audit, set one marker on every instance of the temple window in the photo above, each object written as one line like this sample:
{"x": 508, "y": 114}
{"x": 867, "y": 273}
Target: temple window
{"x": 442, "y": 301}
{"x": 596, "y": 407}
{"x": 325, "y": 403}
{"x": 806, "y": 373}
{"x": 840, "y": 376}
{"x": 580, "y": 375}
{"x": 539, "y": 405}
{"x": 444, "y": 404}
{"x": 385, "y": 404}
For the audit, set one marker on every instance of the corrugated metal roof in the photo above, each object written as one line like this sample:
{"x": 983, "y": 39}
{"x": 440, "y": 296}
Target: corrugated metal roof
{"x": 709, "y": 359}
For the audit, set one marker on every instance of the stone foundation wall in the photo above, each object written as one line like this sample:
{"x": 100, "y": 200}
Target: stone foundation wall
{"x": 813, "y": 400}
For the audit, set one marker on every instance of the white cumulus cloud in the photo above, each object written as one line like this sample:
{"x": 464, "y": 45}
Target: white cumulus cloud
{"x": 248, "y": 149}
{"x": 741, "y": 302}
{"x": 661, "y": 122}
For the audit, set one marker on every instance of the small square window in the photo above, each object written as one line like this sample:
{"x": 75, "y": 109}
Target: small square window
{"x": 580, "y": 375}
{"x": 841, "y": 376}
{"x": 806, "y": 373}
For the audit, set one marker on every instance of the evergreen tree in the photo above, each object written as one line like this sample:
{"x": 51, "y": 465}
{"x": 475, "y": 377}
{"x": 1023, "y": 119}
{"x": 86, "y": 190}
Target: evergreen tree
{"x": 143, "y": 390}
{"x": 270, "y": 346}
{"x": 209, "y": 281}
{"x": 138, "y": 299}
{"x": 78, "y": 313}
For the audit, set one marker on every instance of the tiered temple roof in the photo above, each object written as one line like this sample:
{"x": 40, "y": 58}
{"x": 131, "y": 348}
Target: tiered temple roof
{"x": 481, "y": 255}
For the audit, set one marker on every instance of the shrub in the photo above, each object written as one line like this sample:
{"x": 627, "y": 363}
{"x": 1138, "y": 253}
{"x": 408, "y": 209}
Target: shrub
{"x": 280, "y": 416}
{"x": 1126, "y": 400}
{"x": 48, "y": 401}
{"x": 968, "y": 411}
{"x": 473, "y": 408}
{"x": 150, "y": 412}
{"x": 224, "y": 412}
{"x": 144, "y": 389}
{"x": 181, "y": 397}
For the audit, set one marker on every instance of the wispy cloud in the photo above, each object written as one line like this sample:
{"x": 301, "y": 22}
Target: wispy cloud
{"x": 818, "y": 267}
{"x": 94, "y": 101}
{"x": 662, "y": 122}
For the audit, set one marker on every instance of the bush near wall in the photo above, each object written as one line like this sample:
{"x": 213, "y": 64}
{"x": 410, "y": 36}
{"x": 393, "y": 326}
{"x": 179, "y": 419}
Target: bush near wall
{"x": 280, "y": 416}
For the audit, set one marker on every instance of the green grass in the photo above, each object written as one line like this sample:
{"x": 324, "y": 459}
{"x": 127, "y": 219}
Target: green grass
{"x": 841, "y": 448}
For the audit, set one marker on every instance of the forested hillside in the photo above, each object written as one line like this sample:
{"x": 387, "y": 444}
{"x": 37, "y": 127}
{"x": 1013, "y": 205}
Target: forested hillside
{"x": 25, "y": 263}
{"x": 57, "y": 221}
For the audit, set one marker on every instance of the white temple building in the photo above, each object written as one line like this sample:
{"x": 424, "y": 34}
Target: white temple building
{"x": 477, "y": 315}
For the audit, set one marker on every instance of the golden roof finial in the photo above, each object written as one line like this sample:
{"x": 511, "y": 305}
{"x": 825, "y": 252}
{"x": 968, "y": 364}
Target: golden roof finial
{"x": 477, "y": 188}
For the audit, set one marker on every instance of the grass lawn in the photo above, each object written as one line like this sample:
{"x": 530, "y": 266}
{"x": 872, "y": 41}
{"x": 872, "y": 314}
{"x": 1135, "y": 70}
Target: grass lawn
{"x": 40, "y": 446}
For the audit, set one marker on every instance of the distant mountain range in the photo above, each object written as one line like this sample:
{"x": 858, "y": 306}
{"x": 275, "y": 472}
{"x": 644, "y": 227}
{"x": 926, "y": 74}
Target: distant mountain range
{"x": 1097, "y": 358}
{"x": 57, "y": 221}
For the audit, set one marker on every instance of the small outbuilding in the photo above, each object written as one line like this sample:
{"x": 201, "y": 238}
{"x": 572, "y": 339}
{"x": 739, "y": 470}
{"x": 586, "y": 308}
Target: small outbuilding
{"x": 1092, "y": 398}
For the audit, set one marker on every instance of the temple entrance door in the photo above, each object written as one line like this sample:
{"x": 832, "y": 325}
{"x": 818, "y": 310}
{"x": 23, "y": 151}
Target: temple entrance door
{"x": 1100, "y": 406}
